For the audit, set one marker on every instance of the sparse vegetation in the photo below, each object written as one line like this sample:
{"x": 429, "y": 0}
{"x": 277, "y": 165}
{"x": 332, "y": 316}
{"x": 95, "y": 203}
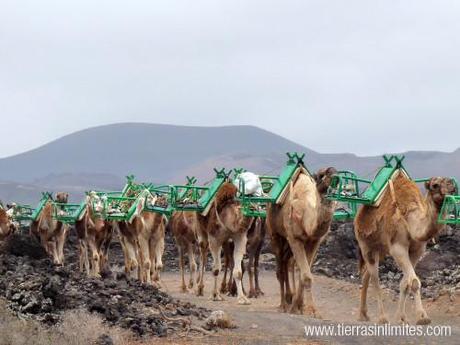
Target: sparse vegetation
{"x": 77, "y": 327}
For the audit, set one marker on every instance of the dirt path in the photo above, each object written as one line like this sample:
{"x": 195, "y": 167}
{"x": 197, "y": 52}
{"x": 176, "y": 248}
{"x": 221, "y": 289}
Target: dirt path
{"x": 337, "y": 301}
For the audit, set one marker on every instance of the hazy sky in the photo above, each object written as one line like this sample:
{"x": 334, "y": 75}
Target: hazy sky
{"x": 358, "y": 76}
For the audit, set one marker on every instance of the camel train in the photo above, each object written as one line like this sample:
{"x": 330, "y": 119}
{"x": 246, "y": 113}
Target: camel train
{"x": 294, "y": 210}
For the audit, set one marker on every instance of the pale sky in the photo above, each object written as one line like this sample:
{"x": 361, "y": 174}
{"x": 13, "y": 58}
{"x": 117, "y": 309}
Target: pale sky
{"x": 336, "y": 76}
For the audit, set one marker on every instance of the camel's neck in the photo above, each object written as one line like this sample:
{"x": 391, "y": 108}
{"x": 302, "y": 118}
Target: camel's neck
{"x": 432, "y": 214}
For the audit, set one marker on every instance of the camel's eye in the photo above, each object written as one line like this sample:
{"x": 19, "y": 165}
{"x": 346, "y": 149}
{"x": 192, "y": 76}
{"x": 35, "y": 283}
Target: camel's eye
{"x": 435, "y": 186}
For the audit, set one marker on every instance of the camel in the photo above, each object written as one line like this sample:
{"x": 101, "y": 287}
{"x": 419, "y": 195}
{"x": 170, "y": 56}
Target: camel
{"x": 256, "y": 236}
{"x": 399, "y": 226}
{"x": 226, "y": 221}
{"x": 6, "y": 226}
{"x": 51, "y": 233}
{"x": 94, "y": 234}
{"x": 182, "y": 228}
{"x": 297, "y": 227}
{"x": 143, "y": 241}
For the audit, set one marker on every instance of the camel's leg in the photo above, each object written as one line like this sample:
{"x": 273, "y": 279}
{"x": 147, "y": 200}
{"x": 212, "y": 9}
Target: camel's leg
{"x": 363, "y": 298}
{"x": 183, "y": 287}
{"x": 105, "y": 249}
{"x": 277, "y": 245}
{"x": 305, "y": 280}
{"x": 252, "y": 289}
{"x": 203, "y": 246}
{"x": 192, "y": 264}
{"x": 372, "y": 267}
{"x": 238, "y": 253}
{"x": 216, "y": 250}
{"x": 94, "y": 255}
{"x": 52, "y": 249}
{"x": 411, "y": 282}
{"x": 230, "y": 289}
{"x": 83, "y": 256}
{"x": 158, "y": 248}
{"x": 60, "y": 241}
{"x": 224, "y": 284}
{"x": 132, "y": 258}
{"x": 125, "y": 255}
{"x": 259, "y": 292}
{"x": 144, "y": 250}
{"x": 290, "y": 272}
{"x": 290, "y": 291}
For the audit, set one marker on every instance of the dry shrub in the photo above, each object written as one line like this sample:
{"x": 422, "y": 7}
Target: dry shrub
{"x": 14, "y": 331}
{"x": 78, "y": 327}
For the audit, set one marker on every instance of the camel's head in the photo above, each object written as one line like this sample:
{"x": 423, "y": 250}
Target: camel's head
{"x": 439, "y": 187}
{"x": 323, "y": 179}
{"x": 95, "y": 202}
{"x": 62, "y": 197}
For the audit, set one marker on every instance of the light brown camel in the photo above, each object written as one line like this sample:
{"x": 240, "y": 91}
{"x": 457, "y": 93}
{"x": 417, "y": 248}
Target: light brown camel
{"x": 95, "y": 235}
{"x": 6, "y": 227}
{"x": 226, "y": 221}
{"x": 400, "y": 226}
{"x": 143, "y": 242}
{"x": 182, "y": 228}
{"x": 256, "y": 236}
{"x": 51, "y": 233}
{"x": 297, "y": 227}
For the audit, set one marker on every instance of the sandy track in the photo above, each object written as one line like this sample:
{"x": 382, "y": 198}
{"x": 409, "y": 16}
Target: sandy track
{"x": 337, "y": 301}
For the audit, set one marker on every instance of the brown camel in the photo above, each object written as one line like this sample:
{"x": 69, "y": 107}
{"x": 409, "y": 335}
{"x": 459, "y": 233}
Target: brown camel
{"x": 400, "y": 226}
{"x": 95, "y": 235}
{"x": 51, "y": 233}
{"x": 182, "y": 227}
{"x": 6, "y": 226}
{"x": 143, "y": 241}
{"x": 297, "y": 227}
{"x": 256, "y": 236}
{"x": 226, "y": 221}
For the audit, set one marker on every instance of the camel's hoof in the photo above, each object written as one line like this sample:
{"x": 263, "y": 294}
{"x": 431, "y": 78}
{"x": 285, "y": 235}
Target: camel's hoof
{"x": 283, "y": 308}
{"x": 199, "y": 291}
{"x": 402, "y": 320}
{"x": 383, "y": 320}
{"x": 231, "y": 293}
{"x": 223, "y": 290}
{"x": 295, "y": 309}
{"x": 423, "y": 321}
{"x": 288, "y": 297}
{"x": 363, "y": 317}
{"x": 259, "y": 292}
{"x": 252, "y": 294}
{"x": 190, "y": 286}
{"x": 243, "y": 300}
{"x": 216, "y": 297}
{"x": 183, "y": 289}
{"x": 310, "y": 310}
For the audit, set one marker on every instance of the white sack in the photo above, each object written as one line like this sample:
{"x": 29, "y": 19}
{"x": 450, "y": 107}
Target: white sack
{"x": 252, "y": 185}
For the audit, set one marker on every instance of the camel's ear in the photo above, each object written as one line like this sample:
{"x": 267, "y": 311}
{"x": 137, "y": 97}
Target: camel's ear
{"x": 331, "y": 171}
{"x": 427, "y": 184}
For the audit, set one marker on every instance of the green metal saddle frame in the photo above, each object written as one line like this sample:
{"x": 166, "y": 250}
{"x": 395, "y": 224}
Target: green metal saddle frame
{"x": 198, "y": 198}
{"x": 274, "y": 187}
{"x": 65, "y": 213}
{"x": 122, "y": 206}
{"x": 346, "y": 186}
